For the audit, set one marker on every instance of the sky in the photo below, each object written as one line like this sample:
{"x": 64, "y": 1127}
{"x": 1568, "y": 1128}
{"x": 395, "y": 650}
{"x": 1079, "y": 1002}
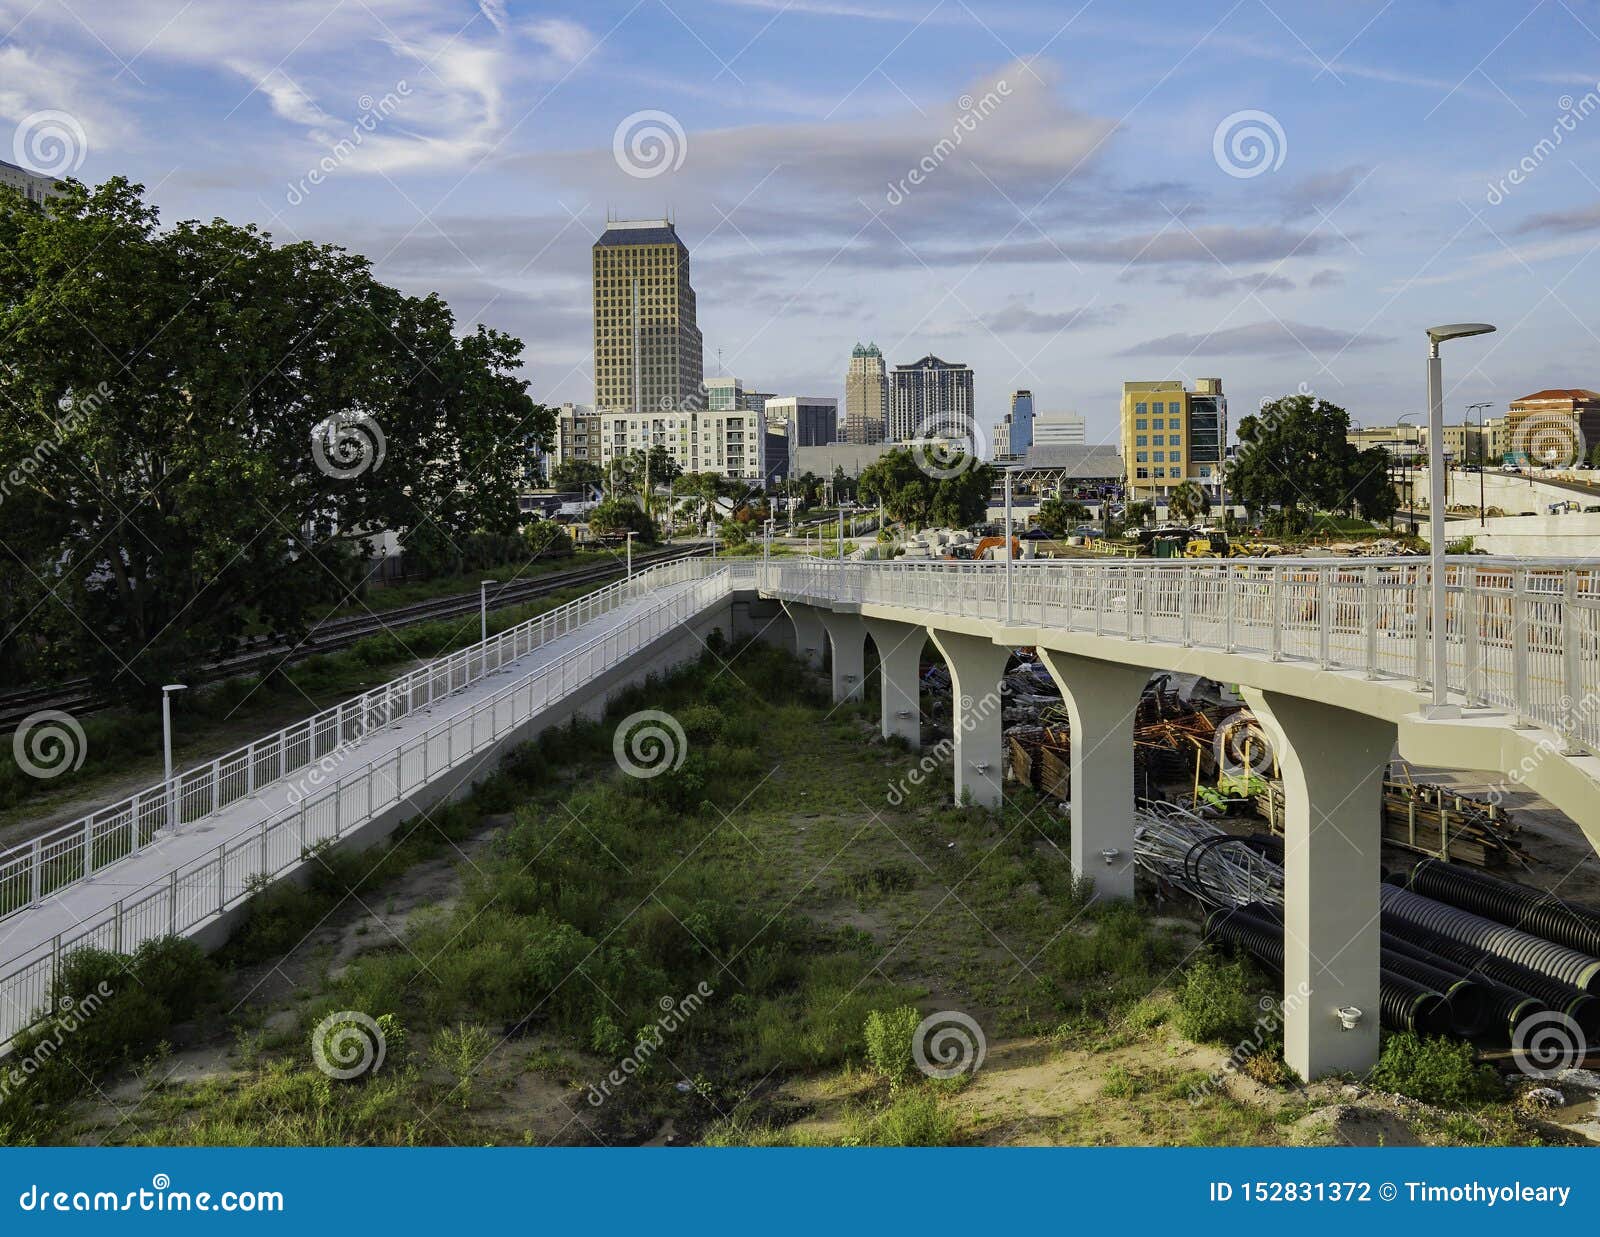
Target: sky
{"x": 1064, "y": 196}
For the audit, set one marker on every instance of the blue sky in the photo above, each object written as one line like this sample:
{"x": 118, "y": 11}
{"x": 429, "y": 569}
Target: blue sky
{"x": 1091, "y": 226}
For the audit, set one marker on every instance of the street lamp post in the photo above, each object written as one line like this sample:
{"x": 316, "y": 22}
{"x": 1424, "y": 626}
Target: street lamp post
{"x": 483, "y": 610}
{"x": 1008, "y": 545}
{"x": 1478, "y": 408}
{"x": 166, "y": 747}
{"x": 1436, "y": 502}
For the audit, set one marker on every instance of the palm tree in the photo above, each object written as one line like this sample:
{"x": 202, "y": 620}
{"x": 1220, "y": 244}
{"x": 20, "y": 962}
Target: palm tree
{"x": 1187, "y": 502}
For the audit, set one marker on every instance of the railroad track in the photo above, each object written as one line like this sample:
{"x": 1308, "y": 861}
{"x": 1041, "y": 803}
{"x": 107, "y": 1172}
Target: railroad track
{"x": 77, "y": 696}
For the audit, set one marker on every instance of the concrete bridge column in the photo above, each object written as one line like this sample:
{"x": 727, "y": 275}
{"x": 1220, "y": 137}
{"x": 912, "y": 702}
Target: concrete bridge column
{"x": 976, "y": 667}
{"x": 1101, "y": 699}
{"x": 847, "y": 634}
{"x": 808, "y": 634}
{"x": 1333, "y": 762}
{"x": 899, "y": 663}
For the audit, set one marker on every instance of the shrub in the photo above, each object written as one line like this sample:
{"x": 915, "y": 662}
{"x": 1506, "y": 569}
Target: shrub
{"x": 914, "y": 1119}
{"x": 1214, "y": 1001}
{"x": 1435, "y": 1070}
{"x": 177, "y": 973}
{"x": 460, "y": 1050}
{"x": 890, "y": 1035}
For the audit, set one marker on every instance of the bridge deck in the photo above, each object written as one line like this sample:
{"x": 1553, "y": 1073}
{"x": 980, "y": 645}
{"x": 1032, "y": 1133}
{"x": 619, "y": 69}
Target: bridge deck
{"x": 63, "y": 912}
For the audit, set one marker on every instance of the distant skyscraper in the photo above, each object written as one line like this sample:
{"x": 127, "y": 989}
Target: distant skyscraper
{"x": 1021, "y": 424}
{"x": 1059, "y": 429}
{"x": 724, "y": 394}
{"x": 931, "y": 398}
{"x": 644, "y": 320}
{"x": 807, "y": 420}
{"x": 866, "y": 396}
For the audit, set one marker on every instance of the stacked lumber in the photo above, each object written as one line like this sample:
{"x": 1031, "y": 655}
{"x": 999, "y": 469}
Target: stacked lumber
{"x": 1430, "y": 820}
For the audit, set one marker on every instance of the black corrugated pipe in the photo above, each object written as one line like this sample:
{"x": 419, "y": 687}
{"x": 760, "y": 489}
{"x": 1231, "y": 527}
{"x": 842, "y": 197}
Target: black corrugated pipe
{"x": 1532, "y": 910}
{"x": 1404, "y": 1004}
{"x": 1408, "y": 1006}
{"x": 1504, "y": 1005}
{"x": 1579, "y": 969}
{"x": 1237, "y": 927}
{"x": 1580, "y": 1006}
{"x": 1465, "y": 1001}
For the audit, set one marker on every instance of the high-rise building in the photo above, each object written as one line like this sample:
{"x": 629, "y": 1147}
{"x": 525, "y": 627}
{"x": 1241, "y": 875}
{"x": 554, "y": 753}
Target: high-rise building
{"x": 807, "y": 420}
{"x": 31, "y": 185}
{"x": 1059, "y": 429}
{"x": 931, "y": 398}
{"x": 1020, "y": 423}
{"x": 866, "y": 396}
{"x": 647, "y": 347}
{"x": 1170, "y": 435}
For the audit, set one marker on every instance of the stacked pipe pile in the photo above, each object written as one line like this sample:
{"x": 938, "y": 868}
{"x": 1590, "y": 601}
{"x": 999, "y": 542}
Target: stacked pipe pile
{"x": 1459, "y": 951}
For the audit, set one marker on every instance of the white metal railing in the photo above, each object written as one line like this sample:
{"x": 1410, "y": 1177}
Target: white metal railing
{"x": 71, "y": 852}
{"x": 1520, "y": 636}
{"x": 198, "y": 891}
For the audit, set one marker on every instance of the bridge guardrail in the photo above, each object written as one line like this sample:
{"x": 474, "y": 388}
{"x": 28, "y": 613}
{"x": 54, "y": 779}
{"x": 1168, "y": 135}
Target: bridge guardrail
{"x": 1520, "y": 636}
{"x": 74, "y": 851}
{"x": 195, "y": 892}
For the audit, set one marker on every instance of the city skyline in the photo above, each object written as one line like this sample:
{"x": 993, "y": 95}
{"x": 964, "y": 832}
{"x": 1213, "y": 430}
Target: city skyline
{"x": 1055, "y": 198}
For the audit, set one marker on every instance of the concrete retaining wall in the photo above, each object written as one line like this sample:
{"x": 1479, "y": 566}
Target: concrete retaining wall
{"x": 1560, "y": 536}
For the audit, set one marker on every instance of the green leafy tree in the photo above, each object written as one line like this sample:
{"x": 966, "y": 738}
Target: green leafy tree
{"x": 1058, "y": 516}
{"x": 1188, "y": 501}
{"x": 956, "y": 494}
{"x": 575, "y": 474}
{"x": 202, "y": 431}
{"x": 1294, "y": 456}
{"x": 1138, "y": 514}
{"x": 621, "y": 515}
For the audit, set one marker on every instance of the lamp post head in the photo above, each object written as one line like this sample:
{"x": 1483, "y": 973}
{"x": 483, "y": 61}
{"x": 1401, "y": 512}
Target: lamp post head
{"x": 174, "y": 687}
{"x": 1454, "y": 330}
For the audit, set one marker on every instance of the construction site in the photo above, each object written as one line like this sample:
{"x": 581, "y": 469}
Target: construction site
{"x": 1490, "y": 930}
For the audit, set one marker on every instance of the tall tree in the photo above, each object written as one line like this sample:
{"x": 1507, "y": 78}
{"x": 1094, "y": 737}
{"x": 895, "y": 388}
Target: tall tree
{"x": 202, "y": 431}
{"x": 1295, "y": 456}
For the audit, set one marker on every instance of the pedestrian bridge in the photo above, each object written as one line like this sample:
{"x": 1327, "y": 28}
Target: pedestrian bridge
{"x": 1333, "y": 654}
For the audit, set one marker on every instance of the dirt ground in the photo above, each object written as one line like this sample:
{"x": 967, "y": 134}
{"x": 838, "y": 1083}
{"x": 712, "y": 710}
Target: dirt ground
{"x": 1140, "y": 1086}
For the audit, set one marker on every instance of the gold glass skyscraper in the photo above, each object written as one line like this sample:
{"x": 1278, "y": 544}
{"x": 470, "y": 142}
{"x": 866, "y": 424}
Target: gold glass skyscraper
{"x": 647, "y": 347}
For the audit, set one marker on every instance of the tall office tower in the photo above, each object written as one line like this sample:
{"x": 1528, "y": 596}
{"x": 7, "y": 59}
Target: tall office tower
{"x": 1021, "y": 423}
{"x": 1060, "y": 429}
{"x": 866, "y": 396}
{"x": 647, "y": 348}
{"x": 931, "y": 398}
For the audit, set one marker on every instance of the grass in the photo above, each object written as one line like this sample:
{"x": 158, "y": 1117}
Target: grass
{"x": 119, "y": 740}
{"x": 743, "y": 945}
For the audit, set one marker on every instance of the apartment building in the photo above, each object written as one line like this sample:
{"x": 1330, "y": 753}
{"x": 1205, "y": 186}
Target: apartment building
{"x": 1171, "y": 435}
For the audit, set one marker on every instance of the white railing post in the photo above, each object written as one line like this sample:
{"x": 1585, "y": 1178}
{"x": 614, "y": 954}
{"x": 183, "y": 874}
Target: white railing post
{"x": 1570, "y": 704}
{"x": 1471, "y": 636}
{"x": 36, "y": 869}
{"x": 222, "y": 878}
{"x": 1275, "y": 602}
{"x": 172, "y": 904}
{"x": 1324, "y": 614}
{"x": 1519, "y": 643}
{"x": 1421, "y": 609}
{"x": 1369, "y": 616}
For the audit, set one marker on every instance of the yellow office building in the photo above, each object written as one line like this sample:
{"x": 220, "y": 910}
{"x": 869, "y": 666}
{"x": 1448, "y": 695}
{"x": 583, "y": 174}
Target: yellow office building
{"x": 1171, "y": 435}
